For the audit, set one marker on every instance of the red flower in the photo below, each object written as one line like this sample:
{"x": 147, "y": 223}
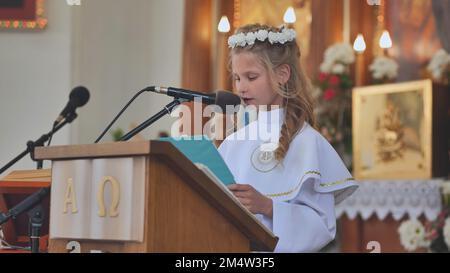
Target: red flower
{"x": 322, "y": 76}
{"x": 334, "y": 80}
{"x": 329, "y": 94}
{"x": 432, "y": 235}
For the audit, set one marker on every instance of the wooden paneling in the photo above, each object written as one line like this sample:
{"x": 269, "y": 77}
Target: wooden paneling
{"x": 197, "y": 45}
{"x": 326, "y": 29}
{"x": 195, "y": 225}
{"x": 358, "y": 233}
{"x": 350, "y": 234}
{"x": 224, "y": 82}
{"x": 363, "y": 20}
{"x": 133, "y": 148}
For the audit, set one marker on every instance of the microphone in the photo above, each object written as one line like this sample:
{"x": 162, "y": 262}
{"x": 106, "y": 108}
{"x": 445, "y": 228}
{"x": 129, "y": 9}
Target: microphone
{"x": 220, "y": 98}
{"x": 79, "y": 96}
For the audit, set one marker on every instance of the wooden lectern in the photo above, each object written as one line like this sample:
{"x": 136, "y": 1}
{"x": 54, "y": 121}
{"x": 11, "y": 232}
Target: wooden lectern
{"x": 143, "y": 197}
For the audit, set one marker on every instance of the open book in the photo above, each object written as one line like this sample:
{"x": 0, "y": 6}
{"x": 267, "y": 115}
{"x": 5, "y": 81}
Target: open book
{"x": 202, "y": 152}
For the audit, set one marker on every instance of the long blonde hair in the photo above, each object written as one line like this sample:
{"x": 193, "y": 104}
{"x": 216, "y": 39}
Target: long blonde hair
{"x": 296, "y": 93}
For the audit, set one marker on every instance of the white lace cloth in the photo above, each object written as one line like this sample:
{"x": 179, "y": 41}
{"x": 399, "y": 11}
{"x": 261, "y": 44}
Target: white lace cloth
{"x": 396, "y": 197}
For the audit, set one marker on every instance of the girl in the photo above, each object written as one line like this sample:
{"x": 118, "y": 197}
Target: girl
{"x": 291, "y": 177}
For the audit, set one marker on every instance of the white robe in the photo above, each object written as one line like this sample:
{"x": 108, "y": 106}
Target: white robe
{"x": 304, "y": 188}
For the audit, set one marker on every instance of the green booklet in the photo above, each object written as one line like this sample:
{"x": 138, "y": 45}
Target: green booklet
{"x": 202, "y": 152}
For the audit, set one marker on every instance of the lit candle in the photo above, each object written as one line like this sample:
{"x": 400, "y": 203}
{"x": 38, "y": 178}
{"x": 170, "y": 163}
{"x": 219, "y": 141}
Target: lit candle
{"x": 224, "y": 25}
{"x": 289, "y": 16}
{"x": 220, "y": 77}
{"x": 359, "y": 46}
{"x": 385, "y": 41}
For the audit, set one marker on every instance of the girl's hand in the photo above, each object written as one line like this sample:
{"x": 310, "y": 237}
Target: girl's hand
{"x": 254, "y": 201}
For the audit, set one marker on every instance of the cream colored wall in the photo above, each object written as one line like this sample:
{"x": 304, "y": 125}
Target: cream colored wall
{"x": 35, "y": 80}
{"x": 113, "y": 47}
{"x": 121, "y": 48}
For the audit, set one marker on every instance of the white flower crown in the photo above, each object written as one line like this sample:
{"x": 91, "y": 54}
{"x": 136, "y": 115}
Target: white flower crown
{"x": 249, "y": 38}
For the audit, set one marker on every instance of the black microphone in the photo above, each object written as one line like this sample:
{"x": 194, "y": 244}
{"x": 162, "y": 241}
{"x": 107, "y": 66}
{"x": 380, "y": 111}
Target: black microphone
{"x": 220, "y": 98}
{"x": 79, "y": 96}
{"x": 25, "y": 205}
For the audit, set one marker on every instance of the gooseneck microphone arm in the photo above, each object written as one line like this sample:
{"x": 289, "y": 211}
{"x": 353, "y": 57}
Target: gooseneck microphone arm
{"x": 39, "y": 142}
{"x": 167, "y": 110}
{"x": 120, "y": 113}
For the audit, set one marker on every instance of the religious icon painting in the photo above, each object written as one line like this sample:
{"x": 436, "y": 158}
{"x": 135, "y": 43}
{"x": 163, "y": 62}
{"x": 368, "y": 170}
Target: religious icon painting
{"x": 392, "y": 131}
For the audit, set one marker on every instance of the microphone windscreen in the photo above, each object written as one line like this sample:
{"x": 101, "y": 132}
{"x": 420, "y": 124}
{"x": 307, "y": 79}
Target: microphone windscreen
{"x": 79, "y": 96}
{"x": 224, "y": 98}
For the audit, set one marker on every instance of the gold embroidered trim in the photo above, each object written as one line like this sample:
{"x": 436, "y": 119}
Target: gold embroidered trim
{"x": 301, "y": 180}
{"x": 335, "y": 183}
{"x": 294, "y": 189}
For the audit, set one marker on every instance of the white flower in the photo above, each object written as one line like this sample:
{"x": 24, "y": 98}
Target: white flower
{"x": 273, "y": 37}
{"x": 438, "y": 64}
{"x": 383, "y": 67}
{"x": 446, "y": 231}
{"x": 436, "y": 74}
{"x": 262, "y": 34}
{"x": 325, "y": 67}
{"x": 237, "y": 40}
{"x": 290, "y": 34}
{"x": 345, "y": 53}
{"x": 250, "y": 38}
{"x": 336, "y": 57}
{"x": 241, "y": 39}
{"x": 412, "y": 235}
{"x": 232, "y": 41}
{"x": 338, "y": 69}
{"x": 445, "y": 186}
{"x": 341, "y": 52}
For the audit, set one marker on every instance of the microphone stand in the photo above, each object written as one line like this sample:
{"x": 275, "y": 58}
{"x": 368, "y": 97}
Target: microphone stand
{"x": 32, "y": 202}
{"x": 39, "y": 142}
{"x": 36, "y": 218}
{"x": 167, "y": 110}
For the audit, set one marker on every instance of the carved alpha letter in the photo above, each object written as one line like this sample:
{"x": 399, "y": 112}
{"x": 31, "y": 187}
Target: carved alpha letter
{"x": 70, "y": 197}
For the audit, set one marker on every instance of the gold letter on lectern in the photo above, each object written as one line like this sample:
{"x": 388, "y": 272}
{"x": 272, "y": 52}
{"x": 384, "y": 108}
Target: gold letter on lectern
{"x": 69, "y": 197}
{"x": 113, "y": 212}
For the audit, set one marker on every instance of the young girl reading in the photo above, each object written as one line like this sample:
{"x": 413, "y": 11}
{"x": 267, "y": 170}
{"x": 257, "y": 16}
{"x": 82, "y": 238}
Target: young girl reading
{"x": 289, "y": 176}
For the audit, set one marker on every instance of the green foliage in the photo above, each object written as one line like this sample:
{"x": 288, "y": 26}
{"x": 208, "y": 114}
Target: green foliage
{"x": 117, "y": 134}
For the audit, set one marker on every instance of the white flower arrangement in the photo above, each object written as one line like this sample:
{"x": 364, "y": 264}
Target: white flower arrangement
{"x": 412, "y": 235}
{"x": 439, "y": 65}
{"x": 446, "y": 232}
{"x": 336, "y": 58}
{"x": 445, "y": 188}
{"x": 249, "y": 38}
{"x": 384, "y": 68}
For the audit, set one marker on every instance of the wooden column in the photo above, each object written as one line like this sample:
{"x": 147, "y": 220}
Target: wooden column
{"x": 363, "y": 20}
{"x": 224, "y": 82}
{"x": 197, "y": 59}
{"x": 197, "y": 45}
{"x": 326, "y": 29}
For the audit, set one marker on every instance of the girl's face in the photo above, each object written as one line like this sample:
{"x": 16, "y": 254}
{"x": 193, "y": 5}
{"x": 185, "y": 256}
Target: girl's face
{"x": 252, "y": 81}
